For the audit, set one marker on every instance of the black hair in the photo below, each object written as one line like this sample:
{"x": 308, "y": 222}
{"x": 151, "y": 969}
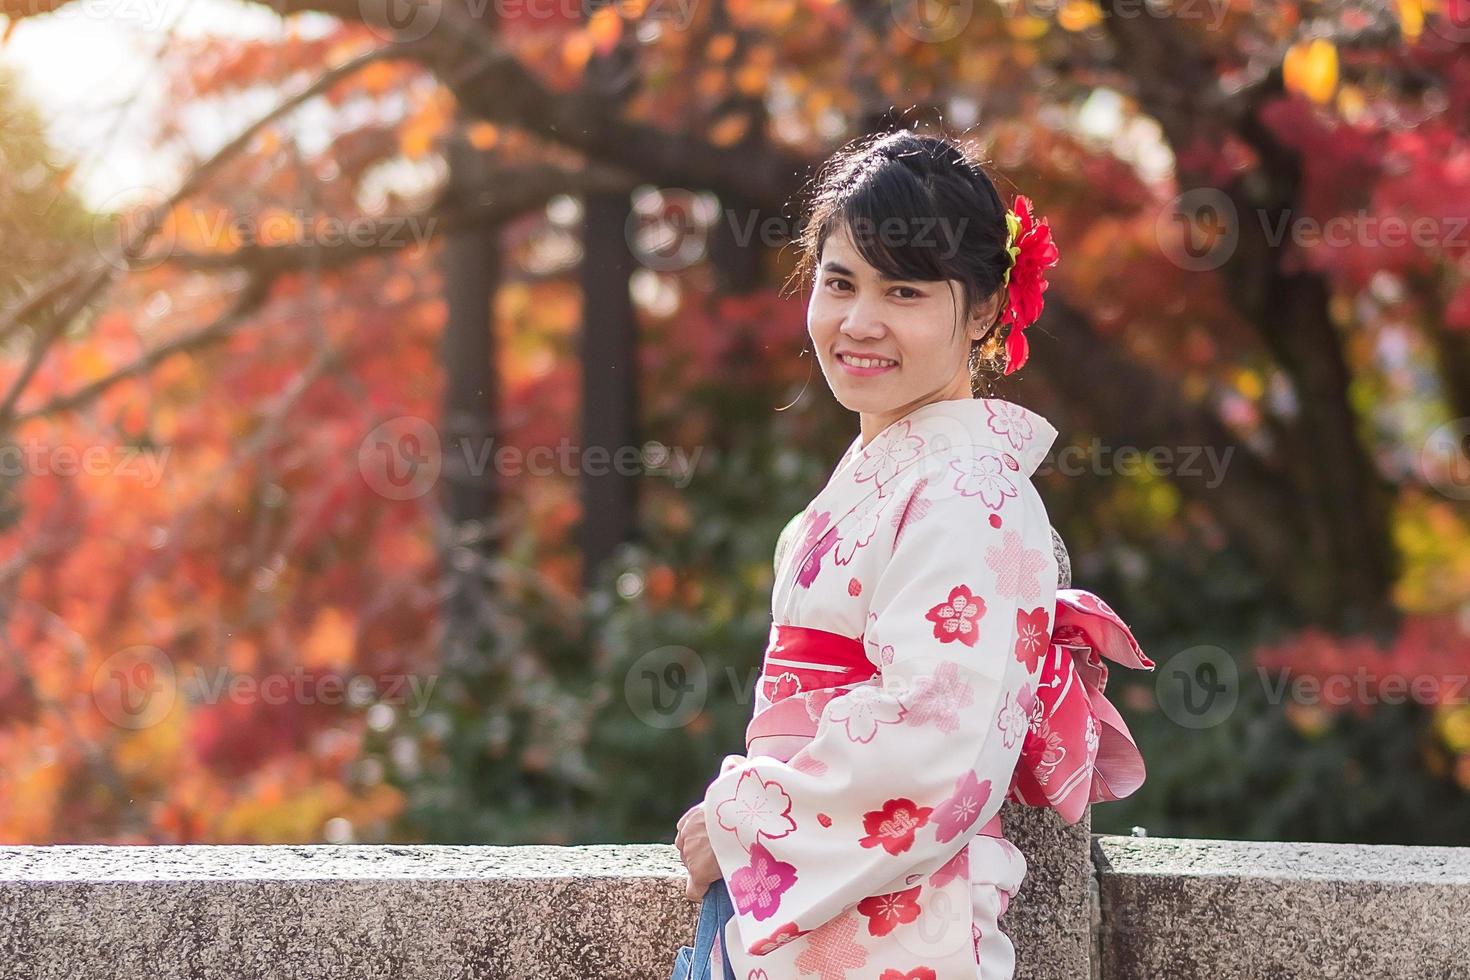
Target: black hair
{"x": 917, "y": 207}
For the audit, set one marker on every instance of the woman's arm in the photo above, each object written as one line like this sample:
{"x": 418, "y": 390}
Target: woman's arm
{"x": 904, "y": 770}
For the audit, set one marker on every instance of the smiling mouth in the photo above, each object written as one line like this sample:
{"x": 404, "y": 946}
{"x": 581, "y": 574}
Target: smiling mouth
{"x": 866, "y": 362}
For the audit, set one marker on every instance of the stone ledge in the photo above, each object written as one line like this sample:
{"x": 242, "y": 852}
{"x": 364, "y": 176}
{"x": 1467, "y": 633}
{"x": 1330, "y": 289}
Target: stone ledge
{"x": 1181, "y": 909}
{"x": 334, "y": 912}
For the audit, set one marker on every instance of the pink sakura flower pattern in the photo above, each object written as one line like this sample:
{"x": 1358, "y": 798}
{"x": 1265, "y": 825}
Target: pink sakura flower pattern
{"x": 958, "y": 617}
{"x": 915, "y": 507}
{"x": 962, "y": 808}
{"x": 862, "y": 710}
{"x": 1015, "y": 567}
{"x": 756, "y": 889}
{"x": 893, "y": 826}
{"x": 1032, "y": 635}
{"x": 776, "y": 940}
{"x": 804, "y": 761}
{"x": 885, "y": 456}
{"x": 861, "y": 525}
{"x": 887, "y": 912}
{"x": 917, "y": 973}
{"x": 985, "y": 476}
{"x": 1014, "y": 715}
{"x": 939, "y": 698}
{"x": 758, "y": 808}
{"x": 956, "y": 867}
{"x": 1009, "y": 419}
{"x": 833, "y": 949}
{"x": 820, "y": 537}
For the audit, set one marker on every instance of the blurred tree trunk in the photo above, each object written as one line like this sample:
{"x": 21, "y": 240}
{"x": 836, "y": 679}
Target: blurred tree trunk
{"x": 609, "y": 357}
{"x": 472, "y": 273}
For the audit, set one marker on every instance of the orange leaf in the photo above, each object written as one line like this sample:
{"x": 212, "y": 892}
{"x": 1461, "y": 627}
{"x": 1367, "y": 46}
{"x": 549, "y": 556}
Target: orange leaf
{"x": 331, "y": 641}
{"x": 730, "y": 129}
{"x": 605, "y": 27}
{"x": 1310, "y": 68}
{"x": 483, "y": 135}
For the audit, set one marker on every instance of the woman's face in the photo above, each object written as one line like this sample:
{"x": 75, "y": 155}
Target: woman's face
{"x": 910, "y": 326}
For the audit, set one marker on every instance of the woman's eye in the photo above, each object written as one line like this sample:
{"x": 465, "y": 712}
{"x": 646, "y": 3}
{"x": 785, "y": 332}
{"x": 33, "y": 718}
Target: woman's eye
{"x": 837, "y": 282}
{"x": 910, "y": 289}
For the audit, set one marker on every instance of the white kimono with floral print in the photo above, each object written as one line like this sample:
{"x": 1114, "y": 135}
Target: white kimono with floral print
{"x": 855, "y": 855}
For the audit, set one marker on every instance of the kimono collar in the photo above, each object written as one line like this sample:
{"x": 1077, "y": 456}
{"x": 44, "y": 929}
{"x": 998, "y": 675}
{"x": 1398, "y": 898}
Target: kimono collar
{"x": 994, "y": 422}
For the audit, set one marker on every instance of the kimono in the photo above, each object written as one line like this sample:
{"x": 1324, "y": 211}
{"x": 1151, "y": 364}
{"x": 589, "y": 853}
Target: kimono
{"x": 923, "y": 667}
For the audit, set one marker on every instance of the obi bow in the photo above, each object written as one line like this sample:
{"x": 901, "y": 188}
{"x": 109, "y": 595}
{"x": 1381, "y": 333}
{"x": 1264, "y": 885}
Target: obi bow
{"x": 1077, "y": 749}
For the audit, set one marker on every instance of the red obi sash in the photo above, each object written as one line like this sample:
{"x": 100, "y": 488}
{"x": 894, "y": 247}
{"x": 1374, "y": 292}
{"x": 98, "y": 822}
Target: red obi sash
{"x": 1077, "y": 749}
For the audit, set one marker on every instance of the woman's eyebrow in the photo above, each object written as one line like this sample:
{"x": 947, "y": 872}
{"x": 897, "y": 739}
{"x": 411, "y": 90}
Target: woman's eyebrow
{"x": 843, "y": 270}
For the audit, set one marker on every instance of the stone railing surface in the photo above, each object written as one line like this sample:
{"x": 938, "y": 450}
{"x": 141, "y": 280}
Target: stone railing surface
{"x": 1092, "y": 906}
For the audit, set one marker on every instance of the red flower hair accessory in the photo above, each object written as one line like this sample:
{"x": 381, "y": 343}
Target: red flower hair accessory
{"x": 1032, "y": 252}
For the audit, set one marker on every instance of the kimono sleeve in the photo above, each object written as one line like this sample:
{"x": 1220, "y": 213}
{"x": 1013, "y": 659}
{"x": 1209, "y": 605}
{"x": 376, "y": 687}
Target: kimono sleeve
{"x": 905, "y": 768}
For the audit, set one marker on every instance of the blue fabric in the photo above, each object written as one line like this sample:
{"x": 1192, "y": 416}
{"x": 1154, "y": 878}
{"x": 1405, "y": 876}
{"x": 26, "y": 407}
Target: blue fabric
{"x": 692, "y": 962}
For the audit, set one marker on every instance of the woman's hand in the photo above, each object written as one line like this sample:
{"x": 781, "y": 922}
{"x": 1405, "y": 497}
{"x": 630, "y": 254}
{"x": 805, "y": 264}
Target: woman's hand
{"x": 695, "y": 851}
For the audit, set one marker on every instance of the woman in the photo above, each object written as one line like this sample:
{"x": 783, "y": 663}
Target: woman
{"x": 924, "y": 665}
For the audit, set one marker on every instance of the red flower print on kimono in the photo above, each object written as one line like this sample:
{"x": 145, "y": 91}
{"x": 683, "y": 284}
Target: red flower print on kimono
{"x": 917, "y": 973}
{"x": 886, "y": 912}
{"x": 776, "y": 940}
{"x": 756, "y": 888}
{"x": 862, "y": 710}
{"x": 958, "y": 617}
{"x": 886, "y": 456}
{"x": 1043, "y": 750}
{"x": 1033, "y": 631}
{"x": 962, "y": 808}
{"x": 1015, "y": 715}
{"x": 783, "y": 686}
{"x": 939, "y": 698}
{"x": 893, "y": 826}
{"x": 1015, "y": 567}
{"x": 985, "y": 476}
{"x": 819, "y": 539}
{"x": 833, "y": 949}
{"x": 956, "y": 867}
{"x": 759, "y": 807}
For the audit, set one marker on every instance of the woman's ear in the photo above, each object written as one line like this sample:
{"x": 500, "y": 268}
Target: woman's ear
{"x": 983, "y": 317}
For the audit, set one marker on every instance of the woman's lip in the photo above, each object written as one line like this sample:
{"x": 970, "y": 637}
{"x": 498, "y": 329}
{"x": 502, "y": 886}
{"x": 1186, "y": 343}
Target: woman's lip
{"x": 864, "y": 371}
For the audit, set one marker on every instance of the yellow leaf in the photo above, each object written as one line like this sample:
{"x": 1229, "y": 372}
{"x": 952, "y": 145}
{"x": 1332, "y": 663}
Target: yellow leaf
{"x": 1078, "y": 15}
{"x": 1310, "y": 68}
{"x": 1025, "y": 27}
{"x": 1411, "y": 19}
